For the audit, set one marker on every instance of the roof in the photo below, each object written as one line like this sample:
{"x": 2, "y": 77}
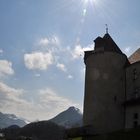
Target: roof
{"x": 107, "y": 44}
{"x": 135, "y": 57}
{"x": 102, "y": 44}
{"x": 110, "y": 44}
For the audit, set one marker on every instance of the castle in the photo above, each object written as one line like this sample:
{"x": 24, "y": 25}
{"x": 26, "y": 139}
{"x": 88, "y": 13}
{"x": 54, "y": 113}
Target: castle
{"x": 112, "y": 87}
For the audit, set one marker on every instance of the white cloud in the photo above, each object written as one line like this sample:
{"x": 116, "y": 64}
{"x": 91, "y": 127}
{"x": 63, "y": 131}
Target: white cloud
{"x": 47, "y": 105}
{"x": 130, "y": 50}
{"x": 70, "y": 77}
{"x": 1, "y": 51}
{"x": 46, "y": 56}
{"x": 38, "y": 60}
{"x": 127, "y": 51}
{"x": 61, "y": 67}
{"x": 51, "y": 101}
{"x": 54, "y": 40}
{"x": 6, "y": 68}
{"x": 43, "y": 41}
{"x": 37, "y": 75}
{"x": 10, "y": 93}
{"x": 79, "y": 51}
{"x": 11, "y": 101}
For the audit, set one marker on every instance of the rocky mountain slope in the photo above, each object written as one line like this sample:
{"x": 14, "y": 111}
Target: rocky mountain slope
{"x": 7, "y": 120}
{"x": 72, "y": 117}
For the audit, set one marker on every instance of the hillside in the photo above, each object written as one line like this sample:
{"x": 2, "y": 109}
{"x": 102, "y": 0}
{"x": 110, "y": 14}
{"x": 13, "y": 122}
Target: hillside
{"x": 43, "y": 130}
{"x": 7, "y": 120}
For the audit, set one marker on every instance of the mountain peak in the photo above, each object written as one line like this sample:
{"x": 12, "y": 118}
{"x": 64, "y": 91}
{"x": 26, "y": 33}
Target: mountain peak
{"x": 68, "y": 117}
{"x": 72, "y": 108}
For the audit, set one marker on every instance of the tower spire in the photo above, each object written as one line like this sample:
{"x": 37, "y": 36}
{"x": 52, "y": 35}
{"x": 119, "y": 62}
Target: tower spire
{"x": 106, "y": 28}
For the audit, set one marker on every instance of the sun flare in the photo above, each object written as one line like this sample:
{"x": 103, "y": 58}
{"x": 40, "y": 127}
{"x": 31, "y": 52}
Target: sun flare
{"x": 90, "y": 1}
{"x": 86, "y": 3}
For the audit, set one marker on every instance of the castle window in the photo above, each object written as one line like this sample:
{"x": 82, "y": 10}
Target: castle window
{"x": 136, "y": 93}
{"x": 135, "y": 74}
{"x": 115, "y": 98}
{"x": 136, "y": 115}
{"x": 134, "y": 71}
{"x": 135, "y": 124}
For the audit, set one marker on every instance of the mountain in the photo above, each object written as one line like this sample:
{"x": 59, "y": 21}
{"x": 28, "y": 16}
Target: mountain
{"x": 53, "y": 129}
{"x": 7, "y": 120}
{"x": 72, "y": 117}
{"x": 43, "y": 130}
{"x": 135, "y": 56}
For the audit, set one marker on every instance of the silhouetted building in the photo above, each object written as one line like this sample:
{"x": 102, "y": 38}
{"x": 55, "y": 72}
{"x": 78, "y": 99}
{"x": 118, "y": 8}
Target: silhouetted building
{"x": 112, "y": 87}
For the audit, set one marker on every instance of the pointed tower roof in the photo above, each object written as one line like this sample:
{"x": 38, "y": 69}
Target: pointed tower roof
{"x": 111, "y": 45}
{"x": 106, "y": 44}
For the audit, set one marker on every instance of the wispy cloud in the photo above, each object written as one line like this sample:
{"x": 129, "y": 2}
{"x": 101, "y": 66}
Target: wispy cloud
{"x": 37, "y": 75}
{"x": 45, "y": 55}
{"x": 52, "y": 101}
{"x": 38, "y": 60}
{"x": 46, "y": 41}
{"x": 6, "y": 68}
{"x": 78, "y": 51}
{"x": 1, "y": 51}
{"x": 130, "y": 50}
{"x": 47, "y": 105}
{"x": 54, "y": 54}
{"x": 61, "y": 67}
{"x": 11, "y": 100}
{"x": 70, "y": 77}
{"x": 43, "y": 42}
{"x": 127, "y": 51}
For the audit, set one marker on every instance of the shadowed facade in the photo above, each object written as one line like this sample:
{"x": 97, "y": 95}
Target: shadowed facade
{"x": 110, "y": 87}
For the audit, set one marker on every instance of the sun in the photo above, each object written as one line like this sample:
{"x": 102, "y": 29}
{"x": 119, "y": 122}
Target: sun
{"x": 90, "y": 1}
{"x": 86, "y": 3}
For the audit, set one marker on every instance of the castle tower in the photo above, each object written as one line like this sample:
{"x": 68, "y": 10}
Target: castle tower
{"x": 104, "y": 86}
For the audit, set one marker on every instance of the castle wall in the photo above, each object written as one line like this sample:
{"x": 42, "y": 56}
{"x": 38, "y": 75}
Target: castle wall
{"x": 133, "y": 81}
{"x": 132, "y": 116}
{"x": 104, "y": 91}
{"x": 133, "y": 95}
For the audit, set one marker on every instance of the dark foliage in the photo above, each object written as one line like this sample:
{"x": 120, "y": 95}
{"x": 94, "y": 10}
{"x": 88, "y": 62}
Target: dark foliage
{"x": 43, "y": 130}
{"x": 11, "y": 132}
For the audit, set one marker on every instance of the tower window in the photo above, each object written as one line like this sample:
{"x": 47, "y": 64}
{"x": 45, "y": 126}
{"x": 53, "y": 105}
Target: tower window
{"x": 134, "y": 71}
{"x": 136, "y": 93}
{"x": 115, "y": 98}
{"x": 135, "y": 74}
{"x": 136, "y": 115}
{"x": 135, "y": 124}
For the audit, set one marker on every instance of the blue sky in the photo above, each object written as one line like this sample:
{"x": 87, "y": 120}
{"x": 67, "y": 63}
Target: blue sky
{"x": 41, "y": 50}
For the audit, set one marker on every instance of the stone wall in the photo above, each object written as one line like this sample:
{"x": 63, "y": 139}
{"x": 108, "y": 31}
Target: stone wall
{"x": 105, "y": 91}
{"x": 133, "y": 81}
{"x": 133, "y": 95}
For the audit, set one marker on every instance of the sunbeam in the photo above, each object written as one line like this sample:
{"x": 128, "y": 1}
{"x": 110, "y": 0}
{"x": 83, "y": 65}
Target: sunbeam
{"x": 90, "y": 1}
